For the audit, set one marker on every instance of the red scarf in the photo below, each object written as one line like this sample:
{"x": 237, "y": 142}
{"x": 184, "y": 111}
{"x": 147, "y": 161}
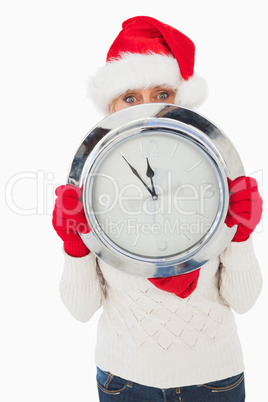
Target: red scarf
{"x": 181, "y": 285}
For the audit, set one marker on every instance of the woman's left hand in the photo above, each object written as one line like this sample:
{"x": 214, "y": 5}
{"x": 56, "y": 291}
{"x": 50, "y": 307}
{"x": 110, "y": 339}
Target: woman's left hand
{"x": 245, "y": 207}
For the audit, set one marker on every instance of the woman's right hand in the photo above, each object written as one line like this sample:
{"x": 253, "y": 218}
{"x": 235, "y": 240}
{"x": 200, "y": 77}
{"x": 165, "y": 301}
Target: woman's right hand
{"x": 69, "y": 219}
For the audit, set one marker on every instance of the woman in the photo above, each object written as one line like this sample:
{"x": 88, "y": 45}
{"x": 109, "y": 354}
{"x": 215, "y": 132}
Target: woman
{"x": 161, "y": 339}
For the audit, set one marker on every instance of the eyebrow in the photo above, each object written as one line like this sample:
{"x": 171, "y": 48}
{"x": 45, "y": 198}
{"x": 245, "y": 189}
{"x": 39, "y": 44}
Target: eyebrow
{"x": 130, "y": 91}
{"x": 134, "y": 91}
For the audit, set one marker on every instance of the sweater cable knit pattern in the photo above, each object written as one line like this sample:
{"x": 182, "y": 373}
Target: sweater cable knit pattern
{"x": 155, "y": 338}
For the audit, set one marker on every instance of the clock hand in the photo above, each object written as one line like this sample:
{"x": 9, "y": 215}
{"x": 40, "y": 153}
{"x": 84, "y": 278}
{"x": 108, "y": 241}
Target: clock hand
{"x": 150, "y": 174}
{"x": 138, "y": 176}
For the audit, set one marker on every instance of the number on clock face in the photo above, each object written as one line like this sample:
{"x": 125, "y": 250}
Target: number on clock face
{"x": 155, "y": 195}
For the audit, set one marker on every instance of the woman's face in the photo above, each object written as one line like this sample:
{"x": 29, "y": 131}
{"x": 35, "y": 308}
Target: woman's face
{"x": 139, "y": 96}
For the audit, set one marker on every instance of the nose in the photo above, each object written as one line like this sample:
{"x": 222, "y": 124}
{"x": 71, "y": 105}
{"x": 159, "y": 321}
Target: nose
{"x": 146, "y": 98}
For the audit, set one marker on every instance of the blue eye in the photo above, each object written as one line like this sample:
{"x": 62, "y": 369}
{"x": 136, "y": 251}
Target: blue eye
{"x": 130, "y": 99}
{"x": 163, "y": 95}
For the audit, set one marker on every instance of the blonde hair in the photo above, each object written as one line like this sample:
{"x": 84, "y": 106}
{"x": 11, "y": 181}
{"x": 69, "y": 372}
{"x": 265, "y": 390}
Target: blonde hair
{"x": 111, "y": 106}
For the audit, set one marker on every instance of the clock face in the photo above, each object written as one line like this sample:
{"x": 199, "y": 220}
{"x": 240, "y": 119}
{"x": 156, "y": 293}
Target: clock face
{"x": 154, "y": 195}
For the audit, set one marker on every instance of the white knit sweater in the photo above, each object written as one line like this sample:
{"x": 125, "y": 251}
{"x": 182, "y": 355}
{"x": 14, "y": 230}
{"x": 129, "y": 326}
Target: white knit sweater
{"x": 155, "y": 338}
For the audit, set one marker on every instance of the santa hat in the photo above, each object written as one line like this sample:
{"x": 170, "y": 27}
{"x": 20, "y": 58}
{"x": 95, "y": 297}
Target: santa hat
{"x": 148, "y": 53}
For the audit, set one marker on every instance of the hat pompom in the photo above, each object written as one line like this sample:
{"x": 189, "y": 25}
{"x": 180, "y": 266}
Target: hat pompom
{"x": 192, "y": 93}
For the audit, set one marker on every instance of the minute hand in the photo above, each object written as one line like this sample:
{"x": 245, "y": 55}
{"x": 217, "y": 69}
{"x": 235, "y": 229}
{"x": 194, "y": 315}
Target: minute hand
{"x": 138, "y": 176}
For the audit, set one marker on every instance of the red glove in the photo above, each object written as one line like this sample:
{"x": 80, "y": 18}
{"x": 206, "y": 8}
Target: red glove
{"x": 245, "y": 207}
{"x": 69, "y": 219}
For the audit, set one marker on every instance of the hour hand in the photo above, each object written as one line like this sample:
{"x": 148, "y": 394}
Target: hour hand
{"x": 150, "y": 174}
{"x": 134, "y": 171}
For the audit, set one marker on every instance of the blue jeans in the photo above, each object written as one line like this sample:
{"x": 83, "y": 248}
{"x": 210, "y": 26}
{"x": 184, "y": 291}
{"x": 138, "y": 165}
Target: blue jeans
{"x": 112, "y": 388}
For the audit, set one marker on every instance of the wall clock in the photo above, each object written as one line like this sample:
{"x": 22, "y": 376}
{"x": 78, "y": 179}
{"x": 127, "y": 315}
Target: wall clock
{"x": 155, "y": 189}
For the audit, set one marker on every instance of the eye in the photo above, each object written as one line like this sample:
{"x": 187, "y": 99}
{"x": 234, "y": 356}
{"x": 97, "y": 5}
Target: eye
{"x": 163, "y": 95}
{"x": 130, "y": 99}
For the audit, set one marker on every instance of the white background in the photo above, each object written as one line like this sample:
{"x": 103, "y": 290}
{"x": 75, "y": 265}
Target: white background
{"x": 48, "y": 50}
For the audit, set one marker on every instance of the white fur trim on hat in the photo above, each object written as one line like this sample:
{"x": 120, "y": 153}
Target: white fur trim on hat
{"x": 136, "y": 71}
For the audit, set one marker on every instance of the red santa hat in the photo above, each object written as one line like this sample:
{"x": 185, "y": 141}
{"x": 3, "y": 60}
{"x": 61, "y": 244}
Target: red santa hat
{"x": 148, "y": 53}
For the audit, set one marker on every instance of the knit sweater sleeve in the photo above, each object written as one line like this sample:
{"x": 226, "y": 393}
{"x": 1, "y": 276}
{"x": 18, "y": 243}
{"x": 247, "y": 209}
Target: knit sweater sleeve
{"x": 240, "y": 277}
{"x": 82, "y": 286}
